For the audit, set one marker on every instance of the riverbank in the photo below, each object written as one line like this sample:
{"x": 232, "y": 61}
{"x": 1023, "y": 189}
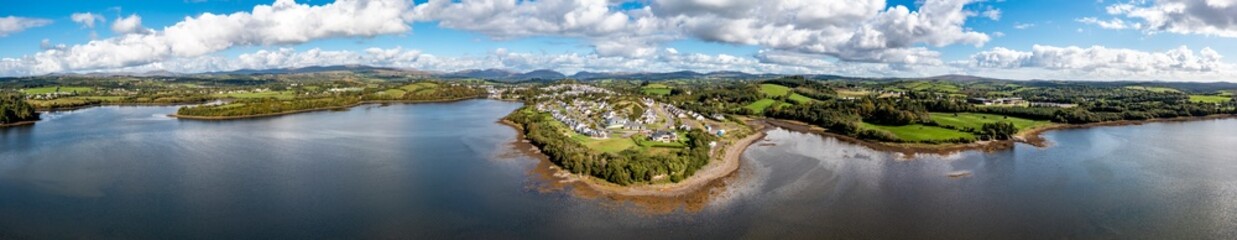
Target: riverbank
{"x": 116, "y": 105}
{"x": 1031, "y": 136}
{"x": 22, "y": 123}
{"x": 219, "y": 118}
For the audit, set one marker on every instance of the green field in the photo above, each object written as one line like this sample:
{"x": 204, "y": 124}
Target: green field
{"x": 779, "y": 90}
{"x": 932, "y": 86}
{"x": 420, "y": 88}
{"x": 977, "y": 120}
{"x": 282, "y": 95}
{"x": 774, "y": 89}
{"x": 918, "y": 132}
{"x": 760, "y": 105}
{"x": 1154, "y": 89}
{"x": 45, "y": 90}
{"x": 1210, "y": 98}
{"x": 655, "y": 89}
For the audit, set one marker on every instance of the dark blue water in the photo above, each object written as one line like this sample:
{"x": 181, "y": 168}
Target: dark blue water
{"x": 450, "y": 171}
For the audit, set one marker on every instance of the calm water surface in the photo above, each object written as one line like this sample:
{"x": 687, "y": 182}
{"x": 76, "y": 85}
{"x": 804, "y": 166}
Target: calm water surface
{"x": 450, "y": 171}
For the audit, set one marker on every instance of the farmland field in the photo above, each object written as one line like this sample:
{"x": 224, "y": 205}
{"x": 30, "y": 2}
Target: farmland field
{"x": 655, "y": 89}
{"x": 45, "y": 90}
{"x": 918, "y": 132}
{"x": 1210, "y": 98}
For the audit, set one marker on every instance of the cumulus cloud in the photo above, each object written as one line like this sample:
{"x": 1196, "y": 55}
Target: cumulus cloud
{"x": 1103, "y": 62}
{"x": 284, "y": 22}
{"x": 128, "y": 25}
{"x": 12, "y": 24}
{"x": 87, "y": 19}
{"x": 862, "y": 31}
{"x": 1205, "y": 17}
{"x": 613, "y": 32}
{"x": 1114, "y": 23}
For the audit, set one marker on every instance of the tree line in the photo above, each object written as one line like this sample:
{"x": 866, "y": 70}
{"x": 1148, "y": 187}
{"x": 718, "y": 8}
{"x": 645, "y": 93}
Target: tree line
{"x": 14, "y": 108}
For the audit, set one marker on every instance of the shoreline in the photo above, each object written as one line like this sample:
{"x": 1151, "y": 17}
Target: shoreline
{"x": 1031, "y": 136}
{"x": 16, "y": 124}
{"x": 695, "y": 189}
{"x": 116, "y": 105}
{"x": 264, "y": 115}
{"x": 714, "y": 171}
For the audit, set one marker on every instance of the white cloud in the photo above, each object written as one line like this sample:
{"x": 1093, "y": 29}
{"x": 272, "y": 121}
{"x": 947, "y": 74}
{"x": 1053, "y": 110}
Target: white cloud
{"x": 991, "y": 13}
{"x": 129, "y": 25}
{"x": 612, "y": 32}
{"x": 1108, "y": 63}
{"x": 1023, "y": 25}
{"x": 1115, "y": 23}
{"x": 11, "y": 24}
{"x": 281, "y": 23}
{"x": 1205, "y": 17}
{"x": 861, "y": 31}
{"x": 87, "y": 19}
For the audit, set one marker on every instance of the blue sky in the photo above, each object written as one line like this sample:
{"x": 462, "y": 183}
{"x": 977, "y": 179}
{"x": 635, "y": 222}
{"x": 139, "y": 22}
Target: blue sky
{"x": 1020, "y": 39}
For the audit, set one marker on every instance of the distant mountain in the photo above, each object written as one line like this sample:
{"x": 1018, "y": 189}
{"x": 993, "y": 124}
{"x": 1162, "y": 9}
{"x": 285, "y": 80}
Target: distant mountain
{"x": 638, "y": 76}
{"x": 540, "y": 74}
{"x": 492, "y": 73}
{"x": 323, "y": 69}
{"x": 960, "y": 78}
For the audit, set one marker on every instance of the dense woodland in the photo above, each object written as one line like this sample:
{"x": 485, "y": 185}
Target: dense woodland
{"x": 14, "y": 108}
{"x": 624, "y": 168}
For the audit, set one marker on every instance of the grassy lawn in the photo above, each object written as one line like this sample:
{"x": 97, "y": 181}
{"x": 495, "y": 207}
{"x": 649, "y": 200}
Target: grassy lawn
{"x": 1210, "y": 98}
{"x": 761, "y": 105}
{"x": 977, "y": 120}
{"x": 45, "y": 90}
{"x": 917, "y": 132}
{"x": 610, "y": 145}
{"x": 282, "y": 95}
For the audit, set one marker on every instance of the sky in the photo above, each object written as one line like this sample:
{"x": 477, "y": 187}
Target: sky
{"x": 1166, "y": 40}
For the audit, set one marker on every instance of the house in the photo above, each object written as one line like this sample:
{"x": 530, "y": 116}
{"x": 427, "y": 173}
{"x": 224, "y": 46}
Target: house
{"x": 664, "y": 136}
{"x": 719, "y": 117}
{"x": 633, "y": 126}
{"x": 685, "y": 127}
{"x": 1052, "y": 104}
{"x": 615, "y": 122}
